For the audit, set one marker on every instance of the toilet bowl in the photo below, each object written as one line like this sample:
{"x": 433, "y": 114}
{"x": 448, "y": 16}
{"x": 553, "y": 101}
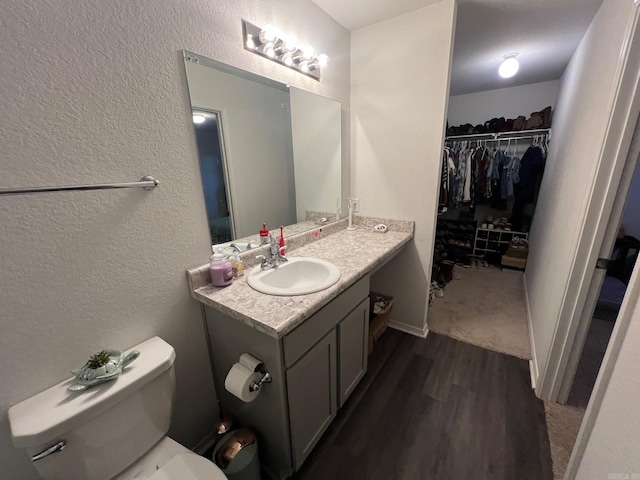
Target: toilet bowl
{"x": 112, "y": 431}
{"x": 168, "y": 460}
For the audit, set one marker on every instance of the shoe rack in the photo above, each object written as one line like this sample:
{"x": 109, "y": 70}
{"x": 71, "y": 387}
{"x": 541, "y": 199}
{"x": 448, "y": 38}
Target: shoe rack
{"x": 494, "y": 240}
{"x": 457, "y": 237}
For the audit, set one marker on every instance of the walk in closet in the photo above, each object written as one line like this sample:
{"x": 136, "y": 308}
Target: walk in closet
{"x": 488, "y": 190}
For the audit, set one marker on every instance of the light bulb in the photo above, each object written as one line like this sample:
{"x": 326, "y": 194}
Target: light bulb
{"x": 307, "y": 52}
{"x": 270, "y": 50}
{"x": 268, "y": 34}
{"x": 250, "y": 42}
{"x": 509, "y": 66}
{"x": 323, "y": 60}
{"x": 197, "y": 118}
{"x": 304, "y": 66}
{"x": 290, "y": 44}
{"x": 287, "y": 59}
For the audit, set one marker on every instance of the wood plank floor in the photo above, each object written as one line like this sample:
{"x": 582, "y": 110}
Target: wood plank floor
{"x": 436, "y": 408}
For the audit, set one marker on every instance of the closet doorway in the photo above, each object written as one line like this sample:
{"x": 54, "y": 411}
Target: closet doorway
{"x": 488, "y": 192}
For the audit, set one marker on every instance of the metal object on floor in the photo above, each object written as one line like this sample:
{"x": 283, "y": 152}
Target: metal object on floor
{"x": 237, "y": 455}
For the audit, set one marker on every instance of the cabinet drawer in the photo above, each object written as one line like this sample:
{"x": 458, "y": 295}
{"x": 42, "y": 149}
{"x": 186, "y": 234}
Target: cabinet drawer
{"x": 300, "y": 340}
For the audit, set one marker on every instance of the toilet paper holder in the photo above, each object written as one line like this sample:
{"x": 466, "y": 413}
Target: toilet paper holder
{"x": 256, "y": 365}
{"x": 266, "y": 378}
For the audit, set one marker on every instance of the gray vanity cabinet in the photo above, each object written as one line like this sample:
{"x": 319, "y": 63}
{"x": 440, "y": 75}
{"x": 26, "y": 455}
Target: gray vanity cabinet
{"x": 315, "y": 367}
{"x": 312, "y": 393}
{"x": 353, "y": 334}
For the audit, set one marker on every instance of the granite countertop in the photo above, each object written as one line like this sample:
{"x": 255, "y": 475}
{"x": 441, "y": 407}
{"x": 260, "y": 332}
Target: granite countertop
{"x": 356, "y": 253}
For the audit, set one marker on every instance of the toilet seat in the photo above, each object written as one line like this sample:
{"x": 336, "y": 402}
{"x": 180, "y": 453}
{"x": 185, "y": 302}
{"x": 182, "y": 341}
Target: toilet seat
{"x": 188, "y": 466}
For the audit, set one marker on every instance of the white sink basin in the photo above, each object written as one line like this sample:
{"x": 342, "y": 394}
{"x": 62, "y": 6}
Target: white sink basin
{"x": 299, "y": 276}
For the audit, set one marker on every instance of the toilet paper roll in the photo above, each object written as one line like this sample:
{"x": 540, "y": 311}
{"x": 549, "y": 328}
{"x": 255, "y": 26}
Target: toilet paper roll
{"x": 239, "y": 380}
{"x": 251, "y": 362}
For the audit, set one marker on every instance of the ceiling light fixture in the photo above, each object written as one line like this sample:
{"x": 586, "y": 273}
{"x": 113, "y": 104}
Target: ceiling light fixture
{"x": 197, "y": 118}
{"x": 284, "y": 49}
{"x": 509, "y": 66}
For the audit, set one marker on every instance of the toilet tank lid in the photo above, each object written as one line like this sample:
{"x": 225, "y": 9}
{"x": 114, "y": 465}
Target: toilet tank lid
{"x": 55, "y": 411}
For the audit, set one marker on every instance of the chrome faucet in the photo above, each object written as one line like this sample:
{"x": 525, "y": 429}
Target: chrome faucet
{"x": 240, "y": 249}
{"x": 235, "y": 247}
{"x": 277, "y": 257}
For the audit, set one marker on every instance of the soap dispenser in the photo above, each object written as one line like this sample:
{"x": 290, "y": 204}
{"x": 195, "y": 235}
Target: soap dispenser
{"x": 264, "y": 235}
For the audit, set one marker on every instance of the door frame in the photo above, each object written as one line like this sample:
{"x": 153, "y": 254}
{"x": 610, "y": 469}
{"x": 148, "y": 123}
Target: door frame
{"x": 629, "y": 304}
{"x": 599, "y": 274}
{"x": 621, "y": 123}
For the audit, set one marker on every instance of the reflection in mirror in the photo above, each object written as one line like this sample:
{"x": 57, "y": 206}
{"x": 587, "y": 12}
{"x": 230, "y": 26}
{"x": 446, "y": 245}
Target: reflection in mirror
{"x": 267, "y": 154}
{"x": 207, "y": 127}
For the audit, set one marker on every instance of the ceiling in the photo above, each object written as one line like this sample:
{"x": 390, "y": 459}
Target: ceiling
{"x": 544, "y": 33}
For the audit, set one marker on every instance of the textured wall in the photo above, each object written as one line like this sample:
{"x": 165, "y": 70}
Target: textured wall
{"x": 509, "y": 102}
{"x": 95, "y": 91}
{"x": 584, "y": 105}
{"x": 399, "y": 89}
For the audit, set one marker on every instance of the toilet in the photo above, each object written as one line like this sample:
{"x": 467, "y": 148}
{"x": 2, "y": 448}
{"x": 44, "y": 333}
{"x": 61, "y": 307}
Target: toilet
{"x": 112, "y": 431}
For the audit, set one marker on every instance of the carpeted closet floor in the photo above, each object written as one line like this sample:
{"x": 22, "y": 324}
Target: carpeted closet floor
{"x": 484, "y": 308}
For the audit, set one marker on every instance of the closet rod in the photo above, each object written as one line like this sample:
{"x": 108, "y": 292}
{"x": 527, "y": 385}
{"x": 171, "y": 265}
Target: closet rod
{"x": 498, "y": 135}
{"x": 147, "y": 182}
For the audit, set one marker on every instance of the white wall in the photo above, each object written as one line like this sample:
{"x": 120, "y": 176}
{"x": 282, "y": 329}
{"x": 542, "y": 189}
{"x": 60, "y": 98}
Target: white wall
{"x": 256, "y": 126}
{"x": 631, "y": 214}
{"x": 95, "y": 91}
{"x": 584, "y": 105}
{"x": 477, "y": 108}
{"x": 317, "y": 144}
{"x": 613, "y": 444}
{"x": 399, "y": 89}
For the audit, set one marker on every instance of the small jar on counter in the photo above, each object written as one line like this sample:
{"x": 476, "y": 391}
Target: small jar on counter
{"x": 237, "y": 265}
{"x": 220, "y": 270}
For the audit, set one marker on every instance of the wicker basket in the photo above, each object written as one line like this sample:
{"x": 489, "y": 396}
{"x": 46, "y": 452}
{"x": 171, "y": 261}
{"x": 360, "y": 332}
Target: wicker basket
{"x": 378, "y": 322}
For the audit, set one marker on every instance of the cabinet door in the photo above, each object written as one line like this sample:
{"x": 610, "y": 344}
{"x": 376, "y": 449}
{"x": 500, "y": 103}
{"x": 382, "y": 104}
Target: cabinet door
{"x": 311, "y": 390}
{"x": 353, "y": 337}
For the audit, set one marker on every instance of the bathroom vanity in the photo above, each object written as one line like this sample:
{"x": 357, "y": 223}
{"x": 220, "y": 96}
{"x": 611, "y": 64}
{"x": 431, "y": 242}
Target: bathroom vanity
{"x": 314, "y": 346}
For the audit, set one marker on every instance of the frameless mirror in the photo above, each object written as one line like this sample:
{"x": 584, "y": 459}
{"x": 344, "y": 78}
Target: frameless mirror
{"x": 268, "y": 153}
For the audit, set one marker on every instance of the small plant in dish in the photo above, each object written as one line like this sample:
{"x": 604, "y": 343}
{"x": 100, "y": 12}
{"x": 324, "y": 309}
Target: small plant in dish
{"x": 98, "y": 360}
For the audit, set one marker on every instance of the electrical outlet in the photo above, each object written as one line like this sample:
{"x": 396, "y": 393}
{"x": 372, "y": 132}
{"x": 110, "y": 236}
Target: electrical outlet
{"x": 356, "y": 205}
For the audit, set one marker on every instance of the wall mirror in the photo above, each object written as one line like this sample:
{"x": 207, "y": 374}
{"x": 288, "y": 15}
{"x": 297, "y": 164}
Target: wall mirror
{"x": 268, "y": 153}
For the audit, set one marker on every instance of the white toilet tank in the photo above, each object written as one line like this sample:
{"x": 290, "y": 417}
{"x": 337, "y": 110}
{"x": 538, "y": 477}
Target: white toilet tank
{"x": 107, "y": 427}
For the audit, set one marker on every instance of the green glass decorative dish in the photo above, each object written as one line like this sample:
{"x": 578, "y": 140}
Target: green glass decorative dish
{"x": 101, "y": 367}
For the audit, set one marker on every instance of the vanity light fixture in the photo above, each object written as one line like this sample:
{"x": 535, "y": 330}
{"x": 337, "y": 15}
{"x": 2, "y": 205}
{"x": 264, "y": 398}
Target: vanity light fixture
{"x": 284, "y": 49}
{"x": 509, "y": 66}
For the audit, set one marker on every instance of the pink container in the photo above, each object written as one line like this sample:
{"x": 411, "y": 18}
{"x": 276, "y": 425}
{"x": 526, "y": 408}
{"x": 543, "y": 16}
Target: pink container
{"x": 220, "y": 270}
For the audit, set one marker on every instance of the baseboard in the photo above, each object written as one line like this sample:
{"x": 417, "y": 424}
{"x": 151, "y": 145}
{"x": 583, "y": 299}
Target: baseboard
{"x": 533, "y": 363}
{"x": 410, "y": 329}
{"x": 205, "y": 444}
{"x": 533, "y": 374}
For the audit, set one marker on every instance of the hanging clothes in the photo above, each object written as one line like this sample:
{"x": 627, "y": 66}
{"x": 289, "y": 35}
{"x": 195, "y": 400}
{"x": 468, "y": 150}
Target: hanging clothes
{"x": 529, "y": 175}
{"x": 473, "y": 173}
